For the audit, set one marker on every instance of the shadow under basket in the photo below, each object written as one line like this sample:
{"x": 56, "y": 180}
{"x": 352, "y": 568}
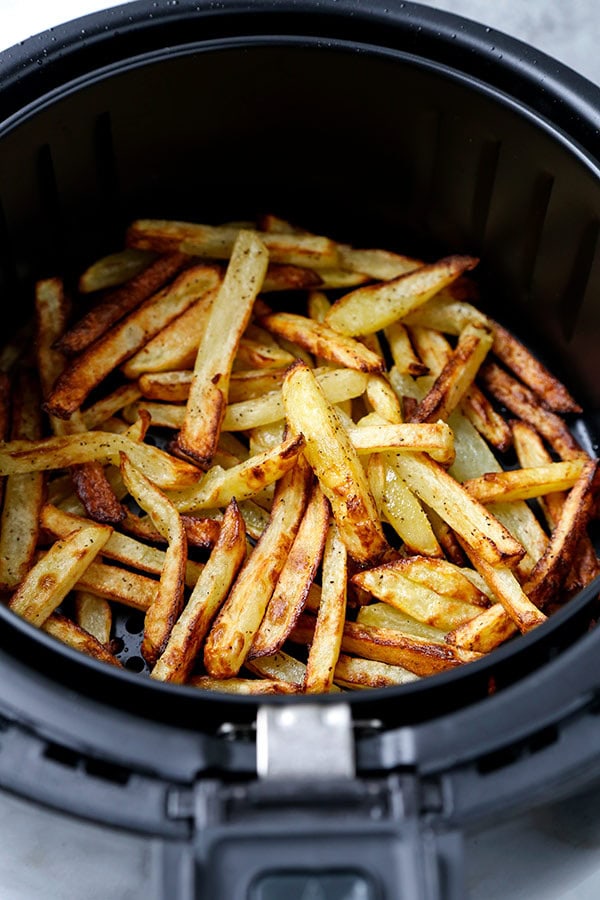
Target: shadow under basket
{"x": 404, "y": 128}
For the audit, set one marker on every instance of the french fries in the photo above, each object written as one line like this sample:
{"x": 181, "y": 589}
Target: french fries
{"x": 284, "y": 494}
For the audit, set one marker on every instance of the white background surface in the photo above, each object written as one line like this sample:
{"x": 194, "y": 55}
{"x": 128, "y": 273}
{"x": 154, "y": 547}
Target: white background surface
{"x": 550, "y": 854}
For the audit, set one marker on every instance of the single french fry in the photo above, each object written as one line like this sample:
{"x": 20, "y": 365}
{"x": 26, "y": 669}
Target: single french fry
{"x": 76, "y": 636}
{"x": 252, "y": 353}
{"x": 176, "y": 661}
{"x": 380, "y": 264}
{"x": 323, "y": 341}
{"x": 279, "y": 666}
{"x": 290, "y": 278}
{"x": 94, "y": 615}
{"x": 254, "y": 686}
{"x": 114, "y": 269}
{"x": 373, "y": 307}
{"x": 170, "y": 387}
{"x": 456, "y": 377}
{"x": 202, "y": 532}
{"x": 218, "y": 486}
{"x": 435, "y": 439}
{"x": 168, "y": 603}
{"x": 382, "y": 615}
{"x": 49, "y": 581}
{"x": 360, "y": 674}
{"x": 448, "y": 314}
{"x": 403, "y": 354}
{"x": 383, "y": 400}
{"x": 335, "y": 463}
{"x": 233, "y": 631}
{"x": 119, "y": 585}
{"x": 523, "y": 484}
{"x": 228, "y": 318}
{"x": 102, "y": 411}
{"x": 489, "y": 423}
{"x": 485, "y": 632}
{"x": 325, "y": 647}
{"x": 89, "y": 368}
{"x": 297, "y": 575}
{"x": 505, "y": 587}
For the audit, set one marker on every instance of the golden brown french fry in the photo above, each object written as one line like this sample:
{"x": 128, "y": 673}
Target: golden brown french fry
{"x": 433, "y": 438}
{"x": 532, "y": 372}
{"x": 218, "y": 486}
{"x": 202, "y": 532}
{"x": 325, "y": 647}
{"x": 168, "y": 603}
{"x": 217, "y": 242}
{"x": 523, "y": 484}
{"x": 382, "y": 615}
{"x": 176, "y": 345}
{"x": 323, "y": 341}
{"x": 297, "y": 575}
{"x": 171, "y": 387}
{"x": 119, "y": 585}
{"x": 94, "y": 615}
{"x": 371, "y": 308}
{"x": 49, "y": 581}
{"x": 403, "y": 354}
{"x": 489, "y": 423}
{"x": 244, "y": 685}
{"x": 233, "y": 631}
{"x": 228, "y": 318}
{"x": 75, "y": 636}
{"x": 279, "y": 666}
{"x": 505, "y": 587}
{"x": 253, "y": 353}
{"x": 380, "y": 264}
{"x": 290, "y": 278}
{"x": 383, "y": 400}
{"x": 485, "y": 632}
{"x": 114, "y": 269}
{"x": 179, "y": 655}
{"x": 60, "y": 452}
{"x": 422, "y": 602}
{"x": 335, "y": 463}
{"x": 456, "y": 377}
{"x": 359, "y": 674}
{"x": 89, "y": 368}
{"x": 446, "y": 313}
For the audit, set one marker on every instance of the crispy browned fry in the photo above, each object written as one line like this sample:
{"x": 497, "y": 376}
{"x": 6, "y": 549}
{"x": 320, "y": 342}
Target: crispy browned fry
{"x": 456, "y": 377}
{"x": 290, "y": 278}
{"x": 119, "y": 303}
{"x": 176, "y": 345}
{"x": 5, "y": 391}
{"x": 489, "y": 423}
{"x": 505, "y": 587}
{"x": 485, "y": 632}
{"x": 23, "y": 493}
{"x": 75, "y": 636}
{"x": 118, "y": 584}
{"x": 177, "y": 660}
{"x": 335, "y": 463}
{"x": 114, "y": 269}
{"x": 530, "y": 370}
{"x": 479, "y": 528}
{"x": 523, "y": 484}
{"x": 217, "y": 242}
{"x": 373, "y": 307}
{"x": 49, "y": 581}
{"x": 200, "y": 532}
{"x": 432, "y": 346}
{"x": 325, "y": 646}
{"x": 121, "y": 341}
{"x": 359, "y": 674}
{"x": 218, "y": 486}
{"x": 523, "y": 403}
{"x": 253, "y": 353}
{"x": 59, "y": 452}
{"x": 232, "y": 633}
{"x": 94, "y": 615}
{"x": 96, "y": 494}
{"x": 228, "y": 318}
{"x": 299, "y": 570}
{"x": 318, "y": 338}
{"x": 168, "y": 603}
{"x": 171, "y": 387}
{"x": 421, "y": 601}
{"x": 550, "y": 571}
{"x": 244, "y": 685}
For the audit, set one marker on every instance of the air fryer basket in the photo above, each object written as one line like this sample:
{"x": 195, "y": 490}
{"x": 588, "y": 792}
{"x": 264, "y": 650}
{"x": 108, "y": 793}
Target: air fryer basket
{"x": 398, "y": 127}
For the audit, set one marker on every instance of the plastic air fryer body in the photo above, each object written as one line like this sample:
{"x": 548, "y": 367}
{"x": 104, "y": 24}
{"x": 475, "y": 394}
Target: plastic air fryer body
{"x": 398, "y": 127}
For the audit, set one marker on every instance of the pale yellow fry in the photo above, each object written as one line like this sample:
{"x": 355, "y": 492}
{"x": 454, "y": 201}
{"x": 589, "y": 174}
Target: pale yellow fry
{"x": 325, "y": 648}
{"x": 381, "y": 264}
{"x": 445, "y": 578}
{"x": 94, "y": 615}
{"x": 218, "y": 486}
{"x": 404, "y": 512}
{"x": 178, "y": 657}
{"x": 382, "y": 615}
{"x": 228, "y": 318}
{"x": 383, "y": 400}
{"x": 523, "y": 484}
{"x": 165, "y": 471}
{"x": 240, "y": 616}
{"x": 436, "y": 439}
{"x": 417, "y": 600}
{"x": 114, "y": 269}
{"x": 217, "y": 242}
{"x": 168, "y": 603}
{"x": 279, "y": 666}
{"x": 251, "y": 686}
{"x": 49, "y": 581}
{"x": 337, "y": 385}
{"x": 89, "y": 368}
{"x": 119, "y": 547}
{"x": 360, "y": 674}
{"x": 117, "y": 584}
{"x": 323, "y": 341}
{"x": 371, "y": 308}
{"x": 103, "y": 410}
{"x": 256, "y": 354}
{"x": 444, "y": 313}
{"x": 335, "y": 463}
{"x": 297, "y": 575}
{"x": 177, "y": 344}
{"x": 403, "y": 354}
{"x": 468, "y": 518}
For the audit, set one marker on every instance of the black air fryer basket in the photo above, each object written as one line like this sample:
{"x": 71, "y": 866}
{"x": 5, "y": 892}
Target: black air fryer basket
{"x": 396, "y": 126}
